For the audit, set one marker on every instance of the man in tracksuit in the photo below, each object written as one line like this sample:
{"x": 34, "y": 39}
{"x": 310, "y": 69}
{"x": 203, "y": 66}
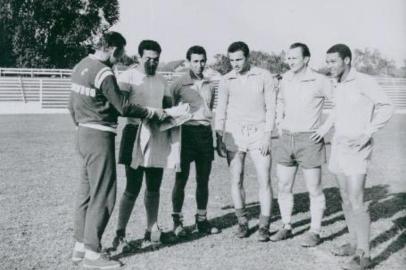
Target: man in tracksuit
{"x": 95, "y": 104}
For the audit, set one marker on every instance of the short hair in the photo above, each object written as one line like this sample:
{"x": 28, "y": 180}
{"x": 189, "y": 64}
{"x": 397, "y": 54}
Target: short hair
{"x": 342, "y": 50}
{"x": 303, "y": 47}
{"x": 150, "y": 45}
{"x": 239, "y": 46}
{"x": 111, "y": 39}
{"x": 195, "y": 50}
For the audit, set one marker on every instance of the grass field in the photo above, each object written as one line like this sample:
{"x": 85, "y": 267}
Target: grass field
{"x": 39, "y": 172}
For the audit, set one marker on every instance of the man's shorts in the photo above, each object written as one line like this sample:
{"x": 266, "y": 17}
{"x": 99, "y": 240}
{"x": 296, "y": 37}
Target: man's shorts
{"x": 244, "y": 137}
{"x": 127, "y": 144}
{"x": 196, "y": 143}
{"x": 297, "y": 149}
{"x": 348, "y": 160}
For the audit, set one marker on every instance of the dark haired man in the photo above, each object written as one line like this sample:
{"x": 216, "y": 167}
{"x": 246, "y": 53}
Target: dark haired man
{"x": 196, "y": 140}
{"x": 244, "y": 120}
{"x": 360, "y": 109}
{"x": 300, "y": 101}
{"x": 146, "y": 88}
{"x": 95, "y": 103}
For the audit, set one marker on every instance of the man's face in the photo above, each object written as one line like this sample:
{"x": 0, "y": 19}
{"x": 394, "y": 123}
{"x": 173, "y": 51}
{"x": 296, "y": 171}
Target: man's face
{"x": 197, "y": 63}
{"x": 296, "y": 61}
{"x": 335, "y": 64}
{"x": 115, "y": 55}
{"x": 238, "y": 61}
{"x": 150, "y": 61}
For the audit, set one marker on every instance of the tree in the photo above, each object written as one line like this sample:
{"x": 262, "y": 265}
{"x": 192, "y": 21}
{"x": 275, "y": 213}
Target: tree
{"x": 275, "y": 63}
{"x": 372, "y": 62}
{"x": 54, "y": 33}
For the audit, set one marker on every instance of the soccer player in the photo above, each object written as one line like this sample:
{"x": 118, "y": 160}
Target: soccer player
{"x": 95, "y": 103}
{"x": 244, "y": 120}
{"x": 300, "y": 101}
{"x": 196, "y": 140}
{"x": 360, "y": 109}
{"x": 146, "y": 88}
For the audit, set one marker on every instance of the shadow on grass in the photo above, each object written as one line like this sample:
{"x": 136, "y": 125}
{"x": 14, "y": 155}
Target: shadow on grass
{"x": 382, "y": 205}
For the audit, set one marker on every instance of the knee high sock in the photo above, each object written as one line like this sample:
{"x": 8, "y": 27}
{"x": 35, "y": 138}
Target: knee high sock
{"x": 317, "y": 206}
{"x": 349, "y": 218}
{"x": 125, "y": 209}
{"x": 362, "y": 223}
{"x": 242, "y": 215}
{"x": 285, "y": 201}
{"x": 151, "y": 202}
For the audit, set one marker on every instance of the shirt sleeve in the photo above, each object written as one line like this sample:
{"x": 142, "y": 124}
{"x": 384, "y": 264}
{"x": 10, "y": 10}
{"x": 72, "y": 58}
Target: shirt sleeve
{"x": 270, "y": 101}
{"x": 124, "y": 81}
{"x": 112, "y": 92}
{"x": 222, "y": 102}
{"x": 383, "y": 108}
{"x": 326, "y": 87}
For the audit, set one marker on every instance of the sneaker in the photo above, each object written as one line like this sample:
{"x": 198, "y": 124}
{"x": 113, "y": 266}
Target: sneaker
{"x": 282, "y": 234}
{"x": 101, "y": 263}
{"x": 152, "y": 239}
{"x": 122, "y": 245}
{"x": 204, "y": 226}
{"x": 344, "y": 250}
{"x": 263, "y": 234}
{"x": 311, "y": 239}
{"x": 242, "y": 230}
{"x": 77, "y": 256}
{"x": 178, "y": 229}
{"x": 358, "y": 262}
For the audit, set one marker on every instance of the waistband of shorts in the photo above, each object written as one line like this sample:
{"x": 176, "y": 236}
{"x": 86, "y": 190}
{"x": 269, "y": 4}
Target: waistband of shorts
{"x": 296, "y": 133}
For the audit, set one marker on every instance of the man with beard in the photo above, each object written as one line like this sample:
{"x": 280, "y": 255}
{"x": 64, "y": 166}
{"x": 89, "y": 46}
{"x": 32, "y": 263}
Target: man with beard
{"x": 95, "y": 103}
{"x": 146, "y": 88}
{"x": 196, "y": 140}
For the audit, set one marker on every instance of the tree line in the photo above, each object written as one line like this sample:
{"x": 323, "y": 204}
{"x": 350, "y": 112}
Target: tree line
{"x": 55, "y": 34}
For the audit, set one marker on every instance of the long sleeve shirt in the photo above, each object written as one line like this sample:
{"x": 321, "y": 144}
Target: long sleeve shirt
{"x": 360, "y": 106}
{"x": 246, "y": 99}
{"x": 300, "y": 100}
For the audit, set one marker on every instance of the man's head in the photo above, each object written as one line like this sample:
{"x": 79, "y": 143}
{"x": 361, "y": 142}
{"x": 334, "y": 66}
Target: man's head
{"x": 149, "y": 51}
{"x": 338, "y": 60}
{"x": 238, "y": 53}
{"x": 196, "y": 55}
{"x": 298, "y": 57}
{"x": 110, "y": 47}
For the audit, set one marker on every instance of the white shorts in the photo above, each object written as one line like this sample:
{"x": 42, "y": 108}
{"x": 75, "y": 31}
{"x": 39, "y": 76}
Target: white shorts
{"x": 243, "y": 137}
{"x": 348, "y": 160}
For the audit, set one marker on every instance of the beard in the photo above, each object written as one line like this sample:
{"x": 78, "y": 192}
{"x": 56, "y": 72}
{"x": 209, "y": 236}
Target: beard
{"x": 150, "y": 69}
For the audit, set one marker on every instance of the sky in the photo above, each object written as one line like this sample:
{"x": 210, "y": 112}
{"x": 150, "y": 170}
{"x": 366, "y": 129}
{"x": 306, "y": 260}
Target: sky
{"x": 266, "y": 25}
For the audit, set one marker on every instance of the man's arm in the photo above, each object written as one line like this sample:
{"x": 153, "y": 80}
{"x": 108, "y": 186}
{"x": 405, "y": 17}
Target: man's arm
{"x": 383, "y": 107}
{"x": 221, "y": 109}
{"x": 270, "y": 102}
{"x": 112, "y": 92}
{"x": 280, "y": 108}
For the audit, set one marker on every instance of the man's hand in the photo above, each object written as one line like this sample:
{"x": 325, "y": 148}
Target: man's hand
{"x": 360, "y": 142}
{"x": 156, "y": 114}
{"x": 265, "y": 147}
{"x": 317, "y": 136}
{"x": 220, "y": 145}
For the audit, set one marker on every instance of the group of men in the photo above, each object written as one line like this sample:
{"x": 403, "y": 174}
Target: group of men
{"x": 172, "y": 126}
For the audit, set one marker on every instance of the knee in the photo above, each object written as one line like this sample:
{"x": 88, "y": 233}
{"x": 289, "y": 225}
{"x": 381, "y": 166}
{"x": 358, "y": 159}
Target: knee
{"x": 129, "y": 196}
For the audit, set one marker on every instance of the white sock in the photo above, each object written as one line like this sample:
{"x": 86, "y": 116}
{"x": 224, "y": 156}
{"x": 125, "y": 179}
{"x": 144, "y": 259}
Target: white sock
{"x": 285, "y": 201}
{"x": 79, "y": 246}
{"x": 91, "y": 255}
{"x": 317, "y": 206}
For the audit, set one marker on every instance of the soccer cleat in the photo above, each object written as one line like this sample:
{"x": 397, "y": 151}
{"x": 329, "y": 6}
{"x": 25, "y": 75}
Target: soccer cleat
{"x": 282, "y": 234}
{"x": 121, "y": 244}
{"x": 204, "y": 226}
{"x": 344, "y": 250}
{"x": 152, "y": 238}
{"x": 178, "y": 229}
{"x": 358, "y": 262}
{"x": 77, "y": 256}
{"x": 101, "y": 263}
{"x": 263, "y": 234}
{"x": 242, "y": 230}
{"x": 311, "y": 239}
